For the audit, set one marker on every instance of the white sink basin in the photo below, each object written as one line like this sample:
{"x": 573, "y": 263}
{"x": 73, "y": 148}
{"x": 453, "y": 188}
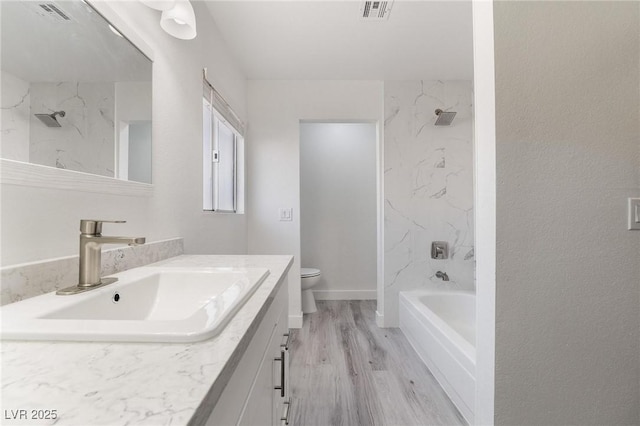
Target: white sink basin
{"x": 148, "y": 304}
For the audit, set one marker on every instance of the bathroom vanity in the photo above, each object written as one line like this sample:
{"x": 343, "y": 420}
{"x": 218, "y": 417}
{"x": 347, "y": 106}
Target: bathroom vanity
{"x": 258, "y": 391}
{"x": 239, "y": 376}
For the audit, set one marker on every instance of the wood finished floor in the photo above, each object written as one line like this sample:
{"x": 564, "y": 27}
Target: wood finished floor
{"x": 347, "y": 371}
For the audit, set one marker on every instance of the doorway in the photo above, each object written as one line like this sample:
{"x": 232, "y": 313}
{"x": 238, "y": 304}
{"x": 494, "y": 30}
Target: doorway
{"x": 338, "y": 207}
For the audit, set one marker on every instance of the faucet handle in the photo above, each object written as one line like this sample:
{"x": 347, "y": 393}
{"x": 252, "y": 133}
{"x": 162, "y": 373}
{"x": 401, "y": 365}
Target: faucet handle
{"x": 439, "y": 250}
{"x": 94, "y": 227}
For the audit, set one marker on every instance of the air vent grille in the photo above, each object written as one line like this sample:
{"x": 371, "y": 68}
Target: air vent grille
{"x": 375, "y": 10}
{"x": 50, "y": 11}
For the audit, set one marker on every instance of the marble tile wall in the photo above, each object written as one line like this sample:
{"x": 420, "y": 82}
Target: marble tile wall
{"x": 16, "y": 109}
{"x": 428, "y": 184}
{"x": 86, "y": 140}
{"x": 33, "y": 279}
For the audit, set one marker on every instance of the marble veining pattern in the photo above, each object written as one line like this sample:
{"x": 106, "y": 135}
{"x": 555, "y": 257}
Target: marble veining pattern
{"x": 86, "y": 140}
{"x": 131, "y": 383}
{"x": 33, "y": 279}
{"x": 16, "y": 108}
{"x": 428, "y": 181}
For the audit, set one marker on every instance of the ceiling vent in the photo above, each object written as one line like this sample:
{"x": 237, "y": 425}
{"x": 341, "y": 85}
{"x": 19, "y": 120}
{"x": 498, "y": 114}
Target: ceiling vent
{"x": 50, "y": 11}
{"x": 375, "y": 10}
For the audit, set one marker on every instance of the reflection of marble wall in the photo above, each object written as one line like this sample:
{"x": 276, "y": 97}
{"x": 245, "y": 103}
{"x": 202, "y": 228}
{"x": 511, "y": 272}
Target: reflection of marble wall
{"x": 16, "y": 102}
{"x": 85, "y": 142}
{"x": 428, "y": 182}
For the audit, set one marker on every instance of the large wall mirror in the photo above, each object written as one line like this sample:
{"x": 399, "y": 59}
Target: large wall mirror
{"x": 76, "y": 94}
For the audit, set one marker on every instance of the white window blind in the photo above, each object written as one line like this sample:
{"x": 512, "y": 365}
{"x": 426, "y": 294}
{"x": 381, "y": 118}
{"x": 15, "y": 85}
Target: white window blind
{"x": 221, "y": 105}
{"x": 223, "y": 155}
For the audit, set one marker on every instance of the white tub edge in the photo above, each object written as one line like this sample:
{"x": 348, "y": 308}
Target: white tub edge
{"x": 457, "y": 380}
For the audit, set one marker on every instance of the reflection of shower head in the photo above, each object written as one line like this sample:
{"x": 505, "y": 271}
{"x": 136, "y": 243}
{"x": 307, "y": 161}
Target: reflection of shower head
{"x": 444, "y": 117}
{"x": 50, "y": 120}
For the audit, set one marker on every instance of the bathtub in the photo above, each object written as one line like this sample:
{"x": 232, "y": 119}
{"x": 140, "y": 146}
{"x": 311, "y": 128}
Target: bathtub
{"x": 441, "y": 326}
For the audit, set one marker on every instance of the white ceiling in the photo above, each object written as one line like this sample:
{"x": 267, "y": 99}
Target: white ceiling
{"x": 327, "y": 40}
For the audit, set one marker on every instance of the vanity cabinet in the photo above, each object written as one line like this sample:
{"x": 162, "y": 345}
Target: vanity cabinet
{"x": 258, "y": 391}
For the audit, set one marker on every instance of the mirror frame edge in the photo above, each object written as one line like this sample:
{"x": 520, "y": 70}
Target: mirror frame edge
{"x": 35, "y": 175}
{"x": 107, "y": 12}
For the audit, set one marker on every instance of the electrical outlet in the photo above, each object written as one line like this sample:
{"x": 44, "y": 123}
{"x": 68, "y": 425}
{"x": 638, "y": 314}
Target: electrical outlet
{"x": 286, "y": 215}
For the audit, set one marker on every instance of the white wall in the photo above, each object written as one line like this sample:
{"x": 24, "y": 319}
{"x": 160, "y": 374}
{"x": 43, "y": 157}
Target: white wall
{"x": 140, "y": 143}
{"x": 275, "y": 111}
{"x": 568, "y": 270}
{"x": 428, "y": 182}
{"x": 43, "y": 223}
{"x": 338, "y": 207}
{"x": 16, "y": 109}
{"x": 133, "y": 115}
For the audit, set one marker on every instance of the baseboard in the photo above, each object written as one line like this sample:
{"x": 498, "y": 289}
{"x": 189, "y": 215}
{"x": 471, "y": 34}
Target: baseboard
{"x": 295, "y": 321}
{"x": 379, "y": 319}
{"x": 345, "y": 294}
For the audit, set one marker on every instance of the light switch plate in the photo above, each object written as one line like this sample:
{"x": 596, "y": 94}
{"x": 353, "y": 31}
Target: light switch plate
{"x": 634, "y": 213}
{"x": 286, "y": 215}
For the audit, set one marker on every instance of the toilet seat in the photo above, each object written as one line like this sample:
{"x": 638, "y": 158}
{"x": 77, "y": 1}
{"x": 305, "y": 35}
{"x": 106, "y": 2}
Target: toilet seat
{"x": 309, "y": 272}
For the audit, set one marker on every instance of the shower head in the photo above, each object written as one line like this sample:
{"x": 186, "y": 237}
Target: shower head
{"x": 444, "y": 117}
{"x": 50, "y": 120}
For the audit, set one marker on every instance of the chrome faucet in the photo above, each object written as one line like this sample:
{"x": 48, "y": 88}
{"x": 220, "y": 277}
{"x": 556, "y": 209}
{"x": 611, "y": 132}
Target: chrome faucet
{"x": 442, "y": 275}
{"x": 91, "y": 241}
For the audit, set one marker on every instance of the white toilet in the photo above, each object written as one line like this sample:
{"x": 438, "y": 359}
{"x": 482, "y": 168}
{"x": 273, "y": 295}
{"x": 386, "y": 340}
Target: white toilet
{"x": 309, "y": 278}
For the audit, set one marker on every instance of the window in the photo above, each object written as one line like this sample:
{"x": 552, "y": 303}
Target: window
{"x": 223, "y": 156}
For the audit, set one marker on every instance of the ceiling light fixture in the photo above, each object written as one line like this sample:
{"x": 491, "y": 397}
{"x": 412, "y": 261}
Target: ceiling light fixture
{"x": 180, "y": 20}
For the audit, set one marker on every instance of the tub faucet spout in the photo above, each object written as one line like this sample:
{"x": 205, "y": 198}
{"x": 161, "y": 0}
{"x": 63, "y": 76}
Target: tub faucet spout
{"x": 442, "y": 275}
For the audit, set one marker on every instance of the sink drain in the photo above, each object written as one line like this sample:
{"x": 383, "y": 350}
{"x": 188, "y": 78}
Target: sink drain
{"x": 116, "y": 298}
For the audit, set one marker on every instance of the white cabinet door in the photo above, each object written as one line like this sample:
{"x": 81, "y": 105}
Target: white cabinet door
{"x": 250, "y": 397}
{"x": 258, "y": 410}
{"x": 264, "y": 404}
{"x": 282, "y": 400}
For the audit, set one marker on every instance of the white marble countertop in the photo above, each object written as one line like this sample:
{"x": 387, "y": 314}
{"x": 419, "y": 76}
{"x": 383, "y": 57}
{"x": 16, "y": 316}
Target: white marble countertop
{"x": 93, "y": 383}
